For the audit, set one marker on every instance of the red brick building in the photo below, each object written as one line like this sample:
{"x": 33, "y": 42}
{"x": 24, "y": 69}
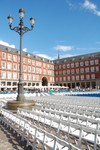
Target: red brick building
{"x": 79, "y": 71}
{"x": 75, "y": 72}
{"x": 37, "y": 71}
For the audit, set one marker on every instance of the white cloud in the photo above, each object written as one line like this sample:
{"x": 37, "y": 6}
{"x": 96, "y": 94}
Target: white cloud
{"x": 63, "y": 48}
{"x": 91, "y": 6}
{"x": 44, "y": 56}
{"x": 6, "y": 44}
{"x": 69, "y": 3}
{"x": 87, "y": 48}
{"x": 97, "y": 42}
{"x": 25, "y": 49}
{"x": 66, "y": 55}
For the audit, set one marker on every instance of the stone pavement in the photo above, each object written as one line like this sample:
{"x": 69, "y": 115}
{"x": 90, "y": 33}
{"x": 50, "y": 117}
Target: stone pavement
{"x": 7, "y": 141}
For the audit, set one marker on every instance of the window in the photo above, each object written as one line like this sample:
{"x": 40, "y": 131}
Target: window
{"x": 92, "y": 76}
{"x": 77, "y": 77}
{"x": 25, "y": 76}
{"x": 33, "y": 69}
{"x": 25, "y": 68}
{"x": 33, "y": 77}
{"x": 40, "y": 64}
{"x": 87, "y": 69}
{"x": 37, "y": 70}
{"x": 52, "y": 67}
{"x": 87, "y": 76}
{"x": 9, "y": 57}
{"x": 96, "y": 61}
{"x": 9, "y": 66}
{"x": 68, "y": 71}
{"x": 77, "y": 64}
{"x": 15, "y": 58}
{"x": 64, "y": 78}
{"x": 37, "y": 63}
{"x": 56, "y": 67}
{"x": 14, "y": 75}
{"x": 29, "y": 68}
{"x": 3, "y": 65}
{"x": 18, "y": 59}
{"x": 72, "y": 71}
{"x": 72, "y": 65}
{"x": 60, "y": 67}
{"x": 51, "y": 79}
{"x": 48, "y": 72}
{"x": 91, "y": 62}
{"x": 3, "y": 55}
{"x": 44, "y": 71}
{"x": 81, "y": 63}
{"x": 9, "y": 74}
{"x": 86, "y": 63}
{"x": 37, "y": 78}
{"x": 97, "y": 68}
{"x": 44, "y": 65}
{"x": 29, "y": 61}
{"x": 77, "y": 71}
{"x": 3, "y": 75}
{"x": 82, "y": 70}
{"x": 73, "y": 78}
{"x": 24, "y": 60}
{"x": 92, "y": 69}
{"x": 68, "y": 78}
{"x": 68, "y": 65}
{"x": 29, "y": 76}
{"x": 82, "y": 77}
{"x": 64, "y": 72}
{"x": 56, "y": 79}
{"x": 64, "y": 66}
{"x": 33, "y": 62}
{"x": 15, "y": 66}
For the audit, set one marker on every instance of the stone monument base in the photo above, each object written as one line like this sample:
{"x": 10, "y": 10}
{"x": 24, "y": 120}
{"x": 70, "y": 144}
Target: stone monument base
{"x": 13, "y": 105}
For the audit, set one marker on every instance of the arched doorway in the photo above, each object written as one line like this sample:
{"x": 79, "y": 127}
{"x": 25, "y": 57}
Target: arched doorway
{"x": 44, "y": 81}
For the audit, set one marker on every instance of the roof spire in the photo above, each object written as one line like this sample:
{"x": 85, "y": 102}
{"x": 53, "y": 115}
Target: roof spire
{"x": 58, "y": 55}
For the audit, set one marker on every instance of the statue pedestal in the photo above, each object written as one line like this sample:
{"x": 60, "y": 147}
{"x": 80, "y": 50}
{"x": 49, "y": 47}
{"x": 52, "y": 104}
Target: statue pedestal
{"x": 13, "y": 105}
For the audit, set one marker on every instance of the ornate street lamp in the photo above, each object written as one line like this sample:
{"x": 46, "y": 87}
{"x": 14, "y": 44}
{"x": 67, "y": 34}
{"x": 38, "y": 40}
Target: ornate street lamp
{"x": 21, "y": 29}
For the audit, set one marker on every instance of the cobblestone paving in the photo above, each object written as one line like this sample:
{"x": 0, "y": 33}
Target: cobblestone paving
{"x": 7, "y": 141}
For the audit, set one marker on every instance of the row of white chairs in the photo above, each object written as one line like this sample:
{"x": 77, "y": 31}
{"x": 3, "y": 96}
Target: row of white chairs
{"x": 82, "y": 111}
{"x": 9, "y": 97}
{"x": 63, "y": 105}
{"x": 83, "y": 132}
{"x": 41, "y": 136}
{"x": 78, "y": 101}
{"x": 67, "y": 116}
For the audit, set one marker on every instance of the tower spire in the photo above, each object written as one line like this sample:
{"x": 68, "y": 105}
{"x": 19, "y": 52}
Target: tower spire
{"x": 58, "y": 55}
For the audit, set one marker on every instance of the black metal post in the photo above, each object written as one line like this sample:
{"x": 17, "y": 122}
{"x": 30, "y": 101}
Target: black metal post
{"x": 20, "y": 95}
{"x": 21, "y": 29}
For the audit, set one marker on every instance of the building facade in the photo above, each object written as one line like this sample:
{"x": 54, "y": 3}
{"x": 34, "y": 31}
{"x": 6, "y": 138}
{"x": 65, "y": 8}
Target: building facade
{"x": 79, "y": 72}
{"x": 37, "y": 71}
{"x": 75, "y": 72}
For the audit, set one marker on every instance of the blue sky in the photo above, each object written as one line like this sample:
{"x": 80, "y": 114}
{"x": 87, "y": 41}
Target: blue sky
{"x": 71, "y": 27}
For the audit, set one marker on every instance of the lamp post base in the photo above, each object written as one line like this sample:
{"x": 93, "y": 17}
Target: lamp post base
{"x": 20, "y": 97}
{"x": 13, "y": 105}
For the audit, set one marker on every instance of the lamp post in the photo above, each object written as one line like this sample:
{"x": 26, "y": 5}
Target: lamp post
{"x": 21, "y": 29}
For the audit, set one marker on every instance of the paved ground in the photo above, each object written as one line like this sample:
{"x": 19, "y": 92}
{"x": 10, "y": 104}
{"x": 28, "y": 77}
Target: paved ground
{"x": 7, "y": 141}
